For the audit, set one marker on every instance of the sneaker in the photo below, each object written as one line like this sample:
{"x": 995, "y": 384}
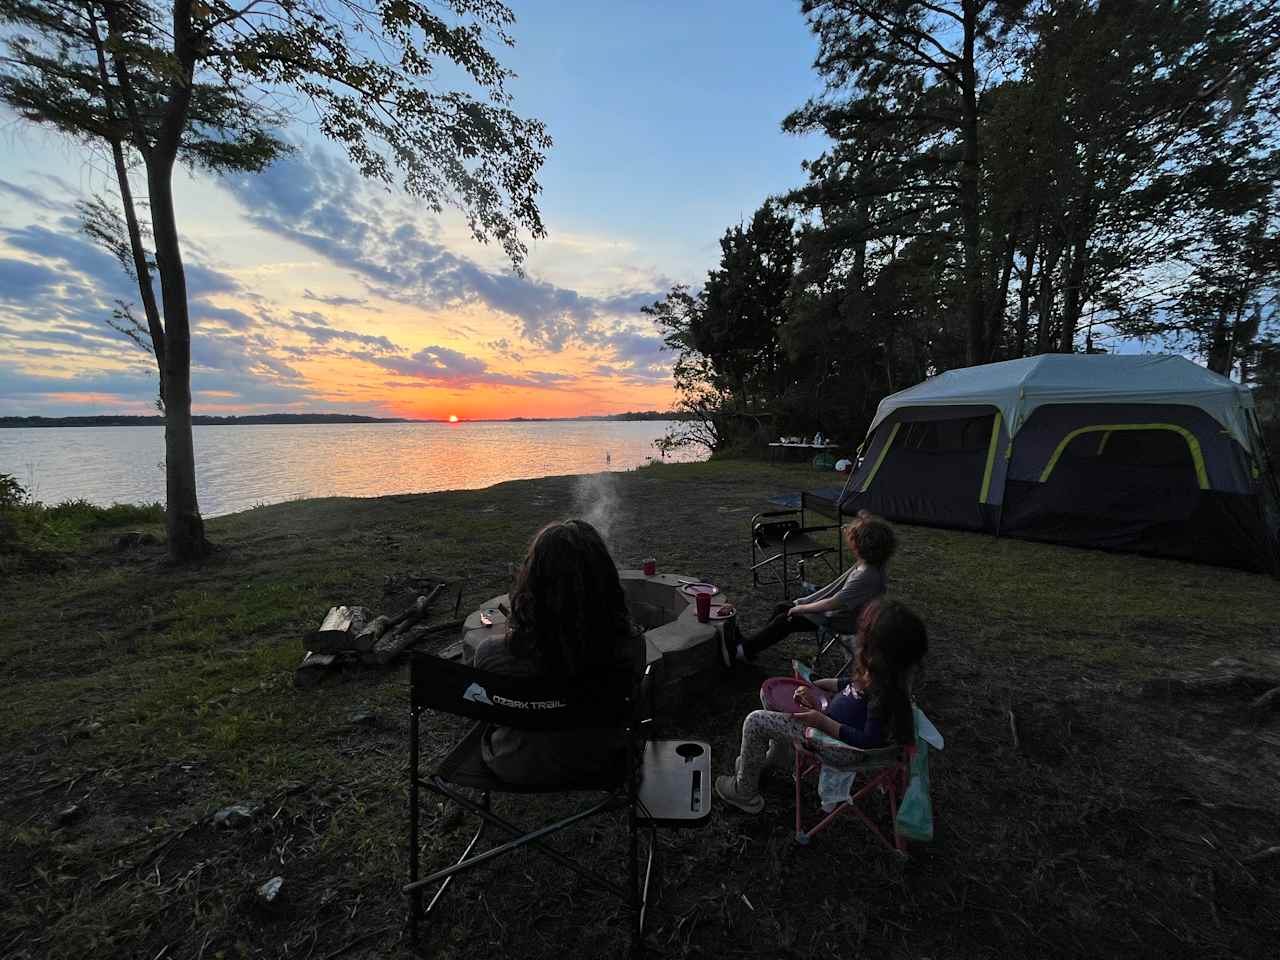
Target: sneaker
{"x": 727, "y": 790}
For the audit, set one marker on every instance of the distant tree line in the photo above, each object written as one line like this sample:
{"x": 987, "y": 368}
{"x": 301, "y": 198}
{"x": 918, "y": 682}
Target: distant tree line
{"x": 1001, "y": 179}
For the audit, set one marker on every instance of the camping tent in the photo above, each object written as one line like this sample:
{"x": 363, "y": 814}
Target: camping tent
{"x": 1153, "y": 454}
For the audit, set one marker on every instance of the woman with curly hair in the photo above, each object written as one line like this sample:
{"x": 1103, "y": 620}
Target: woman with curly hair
{"x": 569, "y": 620}
{"x": 838, "y": 604}
{"x": 869, "y": 708}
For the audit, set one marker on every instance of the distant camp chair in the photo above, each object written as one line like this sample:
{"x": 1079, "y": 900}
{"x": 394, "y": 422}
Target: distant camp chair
{"x": 658, "y": 783}
{"x": 884, "y": 770}
{"x": 776, "y": 543}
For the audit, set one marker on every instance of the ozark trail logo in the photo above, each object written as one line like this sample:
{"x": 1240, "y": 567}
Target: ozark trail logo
{"x": 477, "y": 694}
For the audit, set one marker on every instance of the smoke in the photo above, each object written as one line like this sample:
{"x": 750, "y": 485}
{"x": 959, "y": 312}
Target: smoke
{"x": 595, "y": 500}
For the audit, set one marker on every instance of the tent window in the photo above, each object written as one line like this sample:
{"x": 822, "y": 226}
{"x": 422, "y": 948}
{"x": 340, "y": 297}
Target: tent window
{"x": 968, "y": 435}
{"x": 1149, "y": 446}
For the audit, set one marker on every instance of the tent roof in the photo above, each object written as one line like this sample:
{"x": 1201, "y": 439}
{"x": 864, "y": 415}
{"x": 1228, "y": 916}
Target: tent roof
{"x": 1018, "y": 387}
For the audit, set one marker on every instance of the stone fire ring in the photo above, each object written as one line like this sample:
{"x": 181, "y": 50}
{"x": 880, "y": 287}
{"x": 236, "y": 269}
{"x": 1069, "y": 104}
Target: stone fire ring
{"x": 684, "y": 653}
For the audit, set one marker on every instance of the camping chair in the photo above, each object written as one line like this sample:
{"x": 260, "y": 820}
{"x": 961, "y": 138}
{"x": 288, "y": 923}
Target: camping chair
{"x": 884, "y": 770}
{"x": 824, "y": 639}
{"x": 778, "y": 541}
{"x": 667, "y": 783}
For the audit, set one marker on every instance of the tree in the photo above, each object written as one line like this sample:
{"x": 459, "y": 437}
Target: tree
{"x": 941, "y": 51}
{"x": 378, "y": 100}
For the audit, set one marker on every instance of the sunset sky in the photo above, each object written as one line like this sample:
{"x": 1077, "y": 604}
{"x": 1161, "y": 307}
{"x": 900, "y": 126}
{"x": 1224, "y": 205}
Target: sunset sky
{"x": 315, "y": 291}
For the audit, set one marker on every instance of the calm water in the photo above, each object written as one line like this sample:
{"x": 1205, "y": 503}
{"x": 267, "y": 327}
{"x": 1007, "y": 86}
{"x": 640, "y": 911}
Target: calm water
{"x": 238, "y": 467}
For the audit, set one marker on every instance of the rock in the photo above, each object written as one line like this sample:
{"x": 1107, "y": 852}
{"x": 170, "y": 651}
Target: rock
{"x": 1229, "y": 663}
{"x": 235, "y": 816}
{"x": 269, "y": 892}
{"x": 86, "y": 728}
{"x": 69, "y": 815}
{"x": 362, "y": 718}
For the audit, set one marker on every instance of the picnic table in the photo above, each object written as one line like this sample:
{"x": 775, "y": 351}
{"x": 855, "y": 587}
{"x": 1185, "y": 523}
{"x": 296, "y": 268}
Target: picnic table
{"x": 818, "y": 447}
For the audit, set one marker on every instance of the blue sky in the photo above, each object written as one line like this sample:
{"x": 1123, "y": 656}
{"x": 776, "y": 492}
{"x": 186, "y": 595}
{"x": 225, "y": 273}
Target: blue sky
{"x": 315, "y": 291}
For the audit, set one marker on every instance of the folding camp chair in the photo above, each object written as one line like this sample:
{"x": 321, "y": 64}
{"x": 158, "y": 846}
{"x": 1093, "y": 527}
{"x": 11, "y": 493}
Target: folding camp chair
{"x": 884, "y": 768}
{"x": 778, "y": 541}
{"x": 659, "y": 783}
{"x": 825, "y": 638}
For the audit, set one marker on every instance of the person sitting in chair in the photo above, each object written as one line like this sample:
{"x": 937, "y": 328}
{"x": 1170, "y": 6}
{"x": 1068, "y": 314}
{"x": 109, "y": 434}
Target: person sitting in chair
{"x": 569, "y": 620}
{"x": 838, "y": 604}
{"x": 868, "y": 709}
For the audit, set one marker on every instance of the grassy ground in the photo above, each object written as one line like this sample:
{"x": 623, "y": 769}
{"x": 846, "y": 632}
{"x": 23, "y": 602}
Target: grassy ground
{"x": 149, "y": 698}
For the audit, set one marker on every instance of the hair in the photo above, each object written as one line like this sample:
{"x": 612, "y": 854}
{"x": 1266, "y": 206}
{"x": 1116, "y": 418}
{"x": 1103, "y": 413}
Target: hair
{"x": 871, "y": 538}
{"x": 891, "y": 643}
{"x": 568, "y": 610}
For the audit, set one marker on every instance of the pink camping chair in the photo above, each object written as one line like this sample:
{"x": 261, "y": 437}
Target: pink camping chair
{"x": 884, "y": 769}
{"x": 880, "y": 770}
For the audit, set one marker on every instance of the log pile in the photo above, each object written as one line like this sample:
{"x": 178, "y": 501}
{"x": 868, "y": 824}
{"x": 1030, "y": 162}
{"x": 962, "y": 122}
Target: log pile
{"x": 352, "y": 634}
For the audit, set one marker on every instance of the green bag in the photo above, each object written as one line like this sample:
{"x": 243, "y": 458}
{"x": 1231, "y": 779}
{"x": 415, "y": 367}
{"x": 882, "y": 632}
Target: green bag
{"x": 915, "y": 812}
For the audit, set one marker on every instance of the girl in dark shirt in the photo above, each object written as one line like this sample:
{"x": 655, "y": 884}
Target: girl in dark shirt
{"x": 871, "y": 708}
{"x": 569, "y": 621}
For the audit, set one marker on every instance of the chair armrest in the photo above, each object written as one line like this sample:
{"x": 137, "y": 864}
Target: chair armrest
{"x": 826, "y": 526}
{"x": 849, "y": 755}
{"x": 773, "y": 513}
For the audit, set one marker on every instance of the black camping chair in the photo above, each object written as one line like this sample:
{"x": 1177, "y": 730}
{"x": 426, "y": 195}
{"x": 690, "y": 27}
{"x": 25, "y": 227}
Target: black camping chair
{"x": 778, "y": 541}
{"x": 658, "y": 783}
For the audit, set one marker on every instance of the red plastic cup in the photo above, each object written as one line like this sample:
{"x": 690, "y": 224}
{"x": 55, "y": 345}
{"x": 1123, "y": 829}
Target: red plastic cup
{"x": 650, "y": 566}
{"x": 703, "y": 602}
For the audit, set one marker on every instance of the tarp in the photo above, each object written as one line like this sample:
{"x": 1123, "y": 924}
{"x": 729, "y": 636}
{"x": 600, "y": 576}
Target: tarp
{"x": 1018, "y": 387}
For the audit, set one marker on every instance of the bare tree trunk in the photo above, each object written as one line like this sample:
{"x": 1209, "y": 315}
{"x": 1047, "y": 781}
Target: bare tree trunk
{"x": 1048, "y": 264}
{"x": 185, "y": 525}
{"x": 1000, "y": 296}
{"x": 1072, "y": 294}
{"x": 1024, "y": 294}
{"x": 1219, "y": 359}
{"x": 970, "y": 211}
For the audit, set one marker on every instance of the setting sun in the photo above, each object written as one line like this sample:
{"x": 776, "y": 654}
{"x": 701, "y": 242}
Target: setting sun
{"x": 453, "y": 418}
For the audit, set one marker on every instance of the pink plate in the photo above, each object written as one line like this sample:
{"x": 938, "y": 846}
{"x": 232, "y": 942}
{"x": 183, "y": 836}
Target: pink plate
{"x": 693, "y": 589}
{"x": 777, "y": 693}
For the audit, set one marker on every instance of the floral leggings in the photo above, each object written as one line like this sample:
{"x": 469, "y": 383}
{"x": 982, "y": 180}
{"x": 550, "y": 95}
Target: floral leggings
{"x": 761, "y": 728}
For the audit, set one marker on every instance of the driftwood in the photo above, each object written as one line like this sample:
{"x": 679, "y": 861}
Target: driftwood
{"x": 404, "y": 633}
{"x": 391, "y": 646}
{"x": 313, "y": 668}
{"x": 368, "y": 638}
{"x": 340, "y": 626}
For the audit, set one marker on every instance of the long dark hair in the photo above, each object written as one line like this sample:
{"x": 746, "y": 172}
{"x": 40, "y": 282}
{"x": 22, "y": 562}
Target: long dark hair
{"x": 891, "y": 643}
{"x": 568, "y": 609}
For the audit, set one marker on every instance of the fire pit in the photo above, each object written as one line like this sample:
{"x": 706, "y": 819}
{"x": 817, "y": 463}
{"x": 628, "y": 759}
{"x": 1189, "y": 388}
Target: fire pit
{"x": 684, "y": 653}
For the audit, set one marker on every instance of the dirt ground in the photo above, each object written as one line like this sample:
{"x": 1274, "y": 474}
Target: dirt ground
{"x": 1133, "y": 818}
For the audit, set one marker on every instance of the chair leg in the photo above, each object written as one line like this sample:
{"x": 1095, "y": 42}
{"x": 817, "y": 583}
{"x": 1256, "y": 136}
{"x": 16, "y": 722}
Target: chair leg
{"x": 444, "y": 884}
{"x": 633, "y": 876}
{"x": 415, "y": 898}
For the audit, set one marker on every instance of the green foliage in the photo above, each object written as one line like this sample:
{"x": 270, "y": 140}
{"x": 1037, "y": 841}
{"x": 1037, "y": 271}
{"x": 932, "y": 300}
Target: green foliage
{"x": 28, "y": 526}
{"x": 1080, "y": 171}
